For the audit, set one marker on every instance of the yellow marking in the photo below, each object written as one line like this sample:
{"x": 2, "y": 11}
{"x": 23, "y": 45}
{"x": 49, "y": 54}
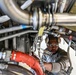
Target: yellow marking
{"x": 41, "y": 30}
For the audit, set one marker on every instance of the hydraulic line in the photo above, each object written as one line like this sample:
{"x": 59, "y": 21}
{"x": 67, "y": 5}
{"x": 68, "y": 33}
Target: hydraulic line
{"x": 26, "y": 4}
{"x": 17, "y": 34}
{"x": 14, "y": 28}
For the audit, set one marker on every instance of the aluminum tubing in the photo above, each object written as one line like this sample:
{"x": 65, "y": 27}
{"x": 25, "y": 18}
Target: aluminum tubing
{"x": 15, "y": 28}
{"x": 65, "y": 19}
{"x": 10, "y": 8}
{"x": 27, "y": 4}
{"x": 17, "y": 34}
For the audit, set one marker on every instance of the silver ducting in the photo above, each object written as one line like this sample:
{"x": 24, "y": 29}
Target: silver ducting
{"x": 23, "y": 6}
{"x": 38, "y": 18}
{"x": 60, "y": 19}
{"x": 65, "y": 19}
{"x": 11, "y": 9}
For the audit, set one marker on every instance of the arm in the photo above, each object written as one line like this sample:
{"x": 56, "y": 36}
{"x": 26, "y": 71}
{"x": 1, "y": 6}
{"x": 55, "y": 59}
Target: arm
{"x": 62, "y": 63}
{"x": 52, "y": 67}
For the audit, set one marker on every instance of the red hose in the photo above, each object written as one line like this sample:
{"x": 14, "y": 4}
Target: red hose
{"x": 29, "y": 60}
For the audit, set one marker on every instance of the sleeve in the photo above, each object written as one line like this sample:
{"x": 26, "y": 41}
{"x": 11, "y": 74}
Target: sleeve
{"x": 43, "y": 58}
{"x": 62, "y": 63}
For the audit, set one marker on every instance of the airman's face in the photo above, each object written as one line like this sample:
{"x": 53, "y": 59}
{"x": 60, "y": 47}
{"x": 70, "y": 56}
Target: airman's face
{"x": 53, "y": 45}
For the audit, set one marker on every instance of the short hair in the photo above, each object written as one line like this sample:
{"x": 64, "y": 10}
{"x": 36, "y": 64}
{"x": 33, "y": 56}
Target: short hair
{"x": 51, "y": 37}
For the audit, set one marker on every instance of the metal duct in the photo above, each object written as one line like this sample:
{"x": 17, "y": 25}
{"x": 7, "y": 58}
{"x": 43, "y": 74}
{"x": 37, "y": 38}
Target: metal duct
{"x": 11, "y": 9}
{"x": 65, "y": 19}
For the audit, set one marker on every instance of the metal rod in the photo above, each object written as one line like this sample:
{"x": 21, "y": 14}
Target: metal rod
{"x": 14, "y": 43}
{"x": 14, "y": 28}
{"x": 26, "y": 4}
{"x": 65, "y": 19}
{"x": 17, "y": 34}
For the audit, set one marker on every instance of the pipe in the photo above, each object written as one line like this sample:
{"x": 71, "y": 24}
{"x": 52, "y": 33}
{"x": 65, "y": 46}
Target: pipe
{"x": 4, "y": 18}
{"x": 29, "y": 60}
{"x": 68, "y": 54}
{"x": 14, "y": 12}
{"x": 14, "y": 43}
{"x": 26, "y": 4}
{"x": 60, "y": 19}
{"x": 62, "y": 6}
{"x": 56, "y": 5}
{"x": 14, "y": 28}
{"x": 70, "y": 25}
{"x": 66, "y": 19}
{"x": 6, "y": 42}
{"x": 17, "y": 34}
{"x": 11, "y": 9}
